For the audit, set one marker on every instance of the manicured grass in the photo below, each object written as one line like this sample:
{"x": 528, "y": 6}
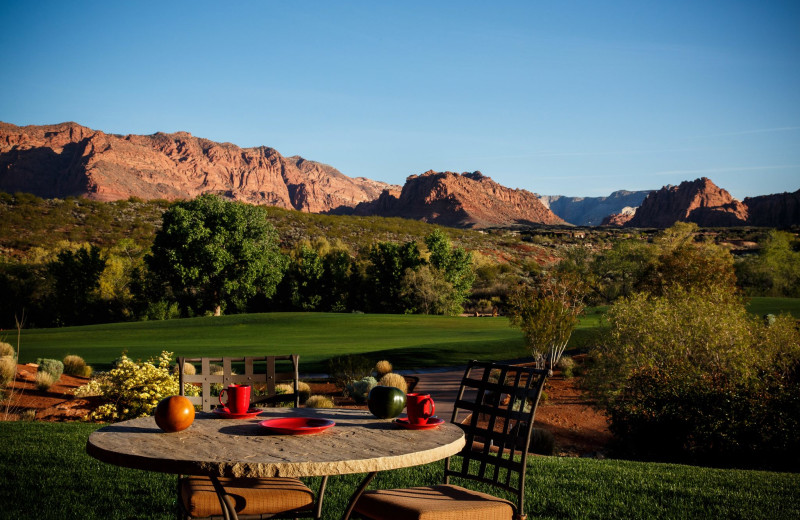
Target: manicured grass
{"x": 45, "y": 474}
{"x": 407, "y": 341}
{"x": 761, "y": 306}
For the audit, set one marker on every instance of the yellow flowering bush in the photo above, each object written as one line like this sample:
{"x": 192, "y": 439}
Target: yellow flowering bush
{"x": 133, "y": 388}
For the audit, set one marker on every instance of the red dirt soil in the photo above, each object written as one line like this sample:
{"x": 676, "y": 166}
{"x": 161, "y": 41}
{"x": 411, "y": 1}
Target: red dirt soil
{"x": 579, "y": 428}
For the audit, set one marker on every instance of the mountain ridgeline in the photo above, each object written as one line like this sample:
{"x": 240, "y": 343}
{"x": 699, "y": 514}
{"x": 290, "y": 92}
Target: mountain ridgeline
{"x": 67, "y": 159}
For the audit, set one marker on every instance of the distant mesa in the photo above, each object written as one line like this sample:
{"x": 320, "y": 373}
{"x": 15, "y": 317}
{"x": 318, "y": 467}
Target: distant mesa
{"x": 67, "y": 159}
{"x": 71, "y": 160}
{"x": 460, "y": 200}
{"x": 704, "y": 203}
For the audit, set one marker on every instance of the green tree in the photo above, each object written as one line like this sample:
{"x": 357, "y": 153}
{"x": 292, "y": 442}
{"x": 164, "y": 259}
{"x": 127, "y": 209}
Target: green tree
{"x": 338, "y": 280}
{"x": 781, "y": 262}
{"x": 214, "y": 253}
{"x": 304, "y": 278}
{"x": 621, "y": 269}
{"x": 547, "y": 313}
{"x": 387, "y": 266}
{"x": 76, "y": 277}
{"x": 454, "y": 264}
{"x": 428, "y": 292}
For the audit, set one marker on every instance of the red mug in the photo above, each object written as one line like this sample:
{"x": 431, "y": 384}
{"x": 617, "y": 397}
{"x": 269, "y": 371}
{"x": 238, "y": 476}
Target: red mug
{"x": 238, "y": 398}
{"x": 419, "y": 407}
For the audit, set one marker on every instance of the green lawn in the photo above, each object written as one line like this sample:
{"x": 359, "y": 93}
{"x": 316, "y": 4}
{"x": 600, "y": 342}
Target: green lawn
{"x": 45, "y": 474}
{"x": 762, "y": 305}
{"x": 408, "y": 341}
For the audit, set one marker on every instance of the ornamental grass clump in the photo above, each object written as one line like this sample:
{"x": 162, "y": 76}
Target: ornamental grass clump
{"x": 133, "y": 388}
{"x": 319, "y": 401}
{"x": 188, "y": 369}
{"x": 44, "y": 380}
{"x": 7, "y": 350}
{"x": 382, "y": 368}
{"x": 8, "y": 369}
{"x": 74, "y": 365}
{"x": 395, "y": 380}
{"x": 53, "y": 367}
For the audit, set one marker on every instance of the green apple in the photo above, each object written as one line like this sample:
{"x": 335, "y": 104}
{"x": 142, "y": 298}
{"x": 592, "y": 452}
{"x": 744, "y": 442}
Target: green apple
{"x": 386, "y": 402}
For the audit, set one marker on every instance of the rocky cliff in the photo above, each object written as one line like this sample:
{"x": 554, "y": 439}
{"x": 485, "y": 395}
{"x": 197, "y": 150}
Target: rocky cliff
{"x": 590, "y": 211}
{"x": 460, "y": 200}
{"x": 699, "y": 201}
{"x": 779, "y": 210}
{"x": 71, "y": 160}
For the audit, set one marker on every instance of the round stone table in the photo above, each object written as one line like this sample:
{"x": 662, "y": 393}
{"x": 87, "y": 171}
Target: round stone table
{"x": 358, "y": 443}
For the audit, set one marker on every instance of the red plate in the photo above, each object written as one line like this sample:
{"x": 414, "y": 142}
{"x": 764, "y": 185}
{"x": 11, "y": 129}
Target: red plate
{"x": 225, "y": 413}
{"x": 433, "y": 422}
{"x": 296, "y": 425}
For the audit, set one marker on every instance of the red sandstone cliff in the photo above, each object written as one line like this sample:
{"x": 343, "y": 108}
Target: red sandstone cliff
{"x": 699, "y": 201}
{"x": 69, "y": 159}
{"x": 779, "y": 210}
{"x": 465, "y": 200}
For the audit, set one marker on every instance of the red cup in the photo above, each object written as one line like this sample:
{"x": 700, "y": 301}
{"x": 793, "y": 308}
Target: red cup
{"x": 419, "y": 408}
{"x": 238, "y": 398}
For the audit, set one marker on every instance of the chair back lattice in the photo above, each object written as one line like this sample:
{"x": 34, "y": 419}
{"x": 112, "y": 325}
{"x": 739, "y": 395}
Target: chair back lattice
{"x": 259, "y": 372}
{"x": 499, "y": 428}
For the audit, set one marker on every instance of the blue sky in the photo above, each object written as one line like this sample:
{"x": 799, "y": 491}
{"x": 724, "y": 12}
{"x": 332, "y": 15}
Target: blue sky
{"x": 576, "y": 98}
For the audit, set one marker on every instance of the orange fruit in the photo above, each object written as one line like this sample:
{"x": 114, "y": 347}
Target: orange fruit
{"x": 174, "y": 413}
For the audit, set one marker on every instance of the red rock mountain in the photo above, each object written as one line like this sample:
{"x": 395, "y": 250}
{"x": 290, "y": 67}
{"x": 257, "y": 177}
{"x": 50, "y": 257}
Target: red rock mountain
{"x": 704, "y": 203}
{"x": 460, "y": 200}
{"x": 779, "y": 210}
{"x": 699, "y": 201}
{"x": 72, "y": 160}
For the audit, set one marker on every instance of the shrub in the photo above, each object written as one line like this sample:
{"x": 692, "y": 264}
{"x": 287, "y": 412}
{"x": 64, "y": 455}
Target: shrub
{"x": 543, "y": 442}
{"x": 188, "y": 369}
{"x": 53, "y": 367}
{"x": 133, "y": 388}
{"x": 359, "y": 390}
{"x": 8, "y": 369}
{"x": 344, "y": 369}
{"x": 567, "y": 367}
{"x": 692, "y": 377}
{"x": 87, "y": 371}
{"x": 74, "y": 365}
{"x": 382, "y": 368}
{"x": 27, "y": 415}
{"x": 319, "y": 401}
{"x": 6, "y": 350}
{"x": 395, "y": 380}
{"x": 44, "y": 380}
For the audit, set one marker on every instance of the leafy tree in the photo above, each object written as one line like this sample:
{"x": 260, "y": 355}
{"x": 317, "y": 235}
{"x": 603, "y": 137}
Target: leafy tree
{"x": 547, "y": 313}
{"x": 621, "y": 269}
{"x": 338, "y": 280}
{"x": 428, "y": 292}
{"x": 387, "y": 266}
{"x": 76, "y": 276}
{"x": 781, "y": 263}
{"x": 304, "y": 278}
{"x": 213, "y": 253}
{"x": 454, "y": 264}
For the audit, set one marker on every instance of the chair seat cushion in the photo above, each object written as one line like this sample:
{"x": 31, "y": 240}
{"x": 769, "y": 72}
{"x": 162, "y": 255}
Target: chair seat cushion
{"x": 253, "y": 496}
{"x": 434, "y": 502}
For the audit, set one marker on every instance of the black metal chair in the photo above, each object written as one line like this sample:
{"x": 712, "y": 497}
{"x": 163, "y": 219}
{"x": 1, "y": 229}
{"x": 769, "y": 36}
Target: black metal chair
{"x": 498, "y": 434}
{"x": 250, "y": 498}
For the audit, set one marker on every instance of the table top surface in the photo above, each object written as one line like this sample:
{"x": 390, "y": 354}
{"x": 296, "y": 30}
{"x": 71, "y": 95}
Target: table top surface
{"x": 358, "y": 443}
